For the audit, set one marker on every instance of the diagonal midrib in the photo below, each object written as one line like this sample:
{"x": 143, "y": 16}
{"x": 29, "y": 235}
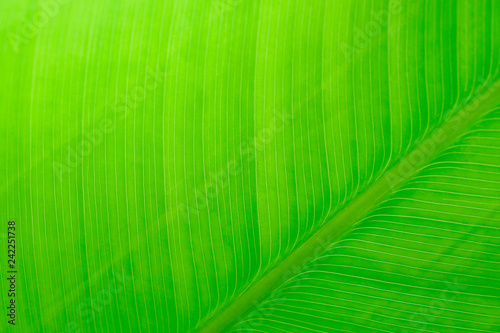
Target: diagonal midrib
{"x": 336, "y": 225}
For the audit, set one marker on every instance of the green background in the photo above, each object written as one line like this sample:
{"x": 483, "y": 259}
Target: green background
{"x": 161, "y": 157}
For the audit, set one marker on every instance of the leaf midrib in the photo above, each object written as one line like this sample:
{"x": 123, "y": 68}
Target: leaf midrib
{"x": 338, "y": 224}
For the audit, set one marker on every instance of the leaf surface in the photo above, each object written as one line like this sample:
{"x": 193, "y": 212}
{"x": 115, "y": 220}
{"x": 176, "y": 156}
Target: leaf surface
{"x": 257, "y": 166}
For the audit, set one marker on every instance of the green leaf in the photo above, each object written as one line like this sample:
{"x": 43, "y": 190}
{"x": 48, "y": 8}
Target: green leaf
{"x": 252, "y": 166}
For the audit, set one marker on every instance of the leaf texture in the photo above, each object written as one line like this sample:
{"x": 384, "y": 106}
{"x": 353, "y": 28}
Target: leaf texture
{"x": 257, "y": 166}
